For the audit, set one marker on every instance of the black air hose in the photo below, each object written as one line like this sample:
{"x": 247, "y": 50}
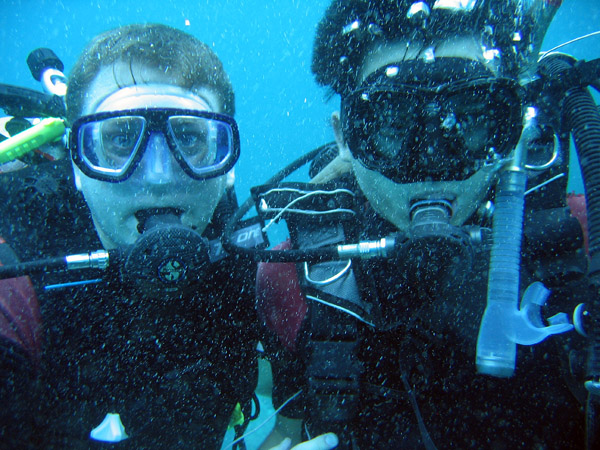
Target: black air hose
{"x": 316, "y": 254}
{"x": 582, "y": 119}
{"x": 24, "y": 102}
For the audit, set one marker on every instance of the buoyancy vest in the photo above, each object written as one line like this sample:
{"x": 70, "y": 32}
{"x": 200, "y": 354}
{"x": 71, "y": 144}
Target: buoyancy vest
{"x": 318, "y": 310}
{"x": 101, "y": 353}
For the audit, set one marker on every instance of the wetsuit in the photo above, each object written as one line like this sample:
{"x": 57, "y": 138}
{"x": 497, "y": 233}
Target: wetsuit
{"x": 410, "y": 381}
{"x": 173, "y": 369}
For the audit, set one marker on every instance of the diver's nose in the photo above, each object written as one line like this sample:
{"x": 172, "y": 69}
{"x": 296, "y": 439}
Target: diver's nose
{"x": 157, "y": 162}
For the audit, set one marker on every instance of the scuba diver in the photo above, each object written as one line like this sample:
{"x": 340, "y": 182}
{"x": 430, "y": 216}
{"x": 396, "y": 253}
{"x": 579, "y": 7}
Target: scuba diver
{"x": 435, "y": 243}
{"x": 151, "y": 341}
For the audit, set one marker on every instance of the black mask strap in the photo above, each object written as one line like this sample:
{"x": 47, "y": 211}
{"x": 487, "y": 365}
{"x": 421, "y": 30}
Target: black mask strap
{"x": 427, "y": 74}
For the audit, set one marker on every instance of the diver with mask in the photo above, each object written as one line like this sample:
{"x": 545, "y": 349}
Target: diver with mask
{"x": 446, "y": 182}
{"x": 152, "y": 342}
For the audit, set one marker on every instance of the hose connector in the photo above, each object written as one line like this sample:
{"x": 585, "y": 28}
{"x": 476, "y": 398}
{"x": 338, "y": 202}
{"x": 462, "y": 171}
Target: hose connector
{"x": 93, "y": 260}
{"x": 368, "y": 249}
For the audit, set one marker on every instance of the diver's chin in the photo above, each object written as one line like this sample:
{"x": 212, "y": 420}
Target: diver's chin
{"x": 195, "y": 221}
{"x": 395, "y": 202}
{"x": 112, "y": 242}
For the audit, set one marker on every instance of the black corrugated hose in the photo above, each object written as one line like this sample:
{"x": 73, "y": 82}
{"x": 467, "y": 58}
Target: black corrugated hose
{"x": 582, "y": 119}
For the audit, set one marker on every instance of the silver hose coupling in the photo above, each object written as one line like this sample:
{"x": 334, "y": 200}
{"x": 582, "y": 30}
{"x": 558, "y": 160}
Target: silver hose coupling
{"x": 92, "y": 260}
{"x": 369, "y": 249}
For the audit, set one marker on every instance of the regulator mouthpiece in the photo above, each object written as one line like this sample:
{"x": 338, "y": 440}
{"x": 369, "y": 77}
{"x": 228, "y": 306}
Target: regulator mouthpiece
{"x": 166, "y": 259}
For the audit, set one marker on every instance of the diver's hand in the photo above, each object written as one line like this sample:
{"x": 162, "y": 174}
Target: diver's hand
{"x": 322, "y": 442}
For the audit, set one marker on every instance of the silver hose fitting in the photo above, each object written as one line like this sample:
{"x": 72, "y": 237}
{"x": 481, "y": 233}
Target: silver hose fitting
{"x": 93, "y": 260}
{"x": 368, "y": 249}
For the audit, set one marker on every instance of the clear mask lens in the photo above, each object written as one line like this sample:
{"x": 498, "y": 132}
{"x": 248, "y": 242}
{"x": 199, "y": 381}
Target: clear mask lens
{"x": 200, "y": 142}
{"x": 109, "y": 145}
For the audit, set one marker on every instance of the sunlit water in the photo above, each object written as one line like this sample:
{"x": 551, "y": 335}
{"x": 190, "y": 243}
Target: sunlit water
{"x": 266, "y": 49}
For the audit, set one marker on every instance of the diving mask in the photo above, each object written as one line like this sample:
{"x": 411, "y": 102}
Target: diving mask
{"x": 108, "y": 146}
{"x": 424, "y": 121}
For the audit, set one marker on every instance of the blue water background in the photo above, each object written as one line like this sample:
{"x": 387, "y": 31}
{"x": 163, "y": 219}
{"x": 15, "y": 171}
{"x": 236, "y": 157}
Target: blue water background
{"x": 265, "y": 47}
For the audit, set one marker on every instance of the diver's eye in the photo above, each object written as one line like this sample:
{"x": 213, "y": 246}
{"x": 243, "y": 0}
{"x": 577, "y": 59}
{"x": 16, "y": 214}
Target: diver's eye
{"x": 190, "y": 133}
{"x": 190, "y": 138}
{"x": 122, "y": 140}
{"x": 120, "y": 136}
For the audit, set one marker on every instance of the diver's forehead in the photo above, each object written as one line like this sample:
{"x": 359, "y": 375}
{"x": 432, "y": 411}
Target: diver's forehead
{"x": 153, "y": 96}
{"x": 138, "y": 81}
{"x": 383, "y": 53}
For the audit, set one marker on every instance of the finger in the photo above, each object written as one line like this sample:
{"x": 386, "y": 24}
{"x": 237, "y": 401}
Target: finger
{"x": 283, "y": 445}
{"x": 322, "y": 442}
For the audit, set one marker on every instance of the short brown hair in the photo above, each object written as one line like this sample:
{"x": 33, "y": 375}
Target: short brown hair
{"x": 192, "y": 63}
